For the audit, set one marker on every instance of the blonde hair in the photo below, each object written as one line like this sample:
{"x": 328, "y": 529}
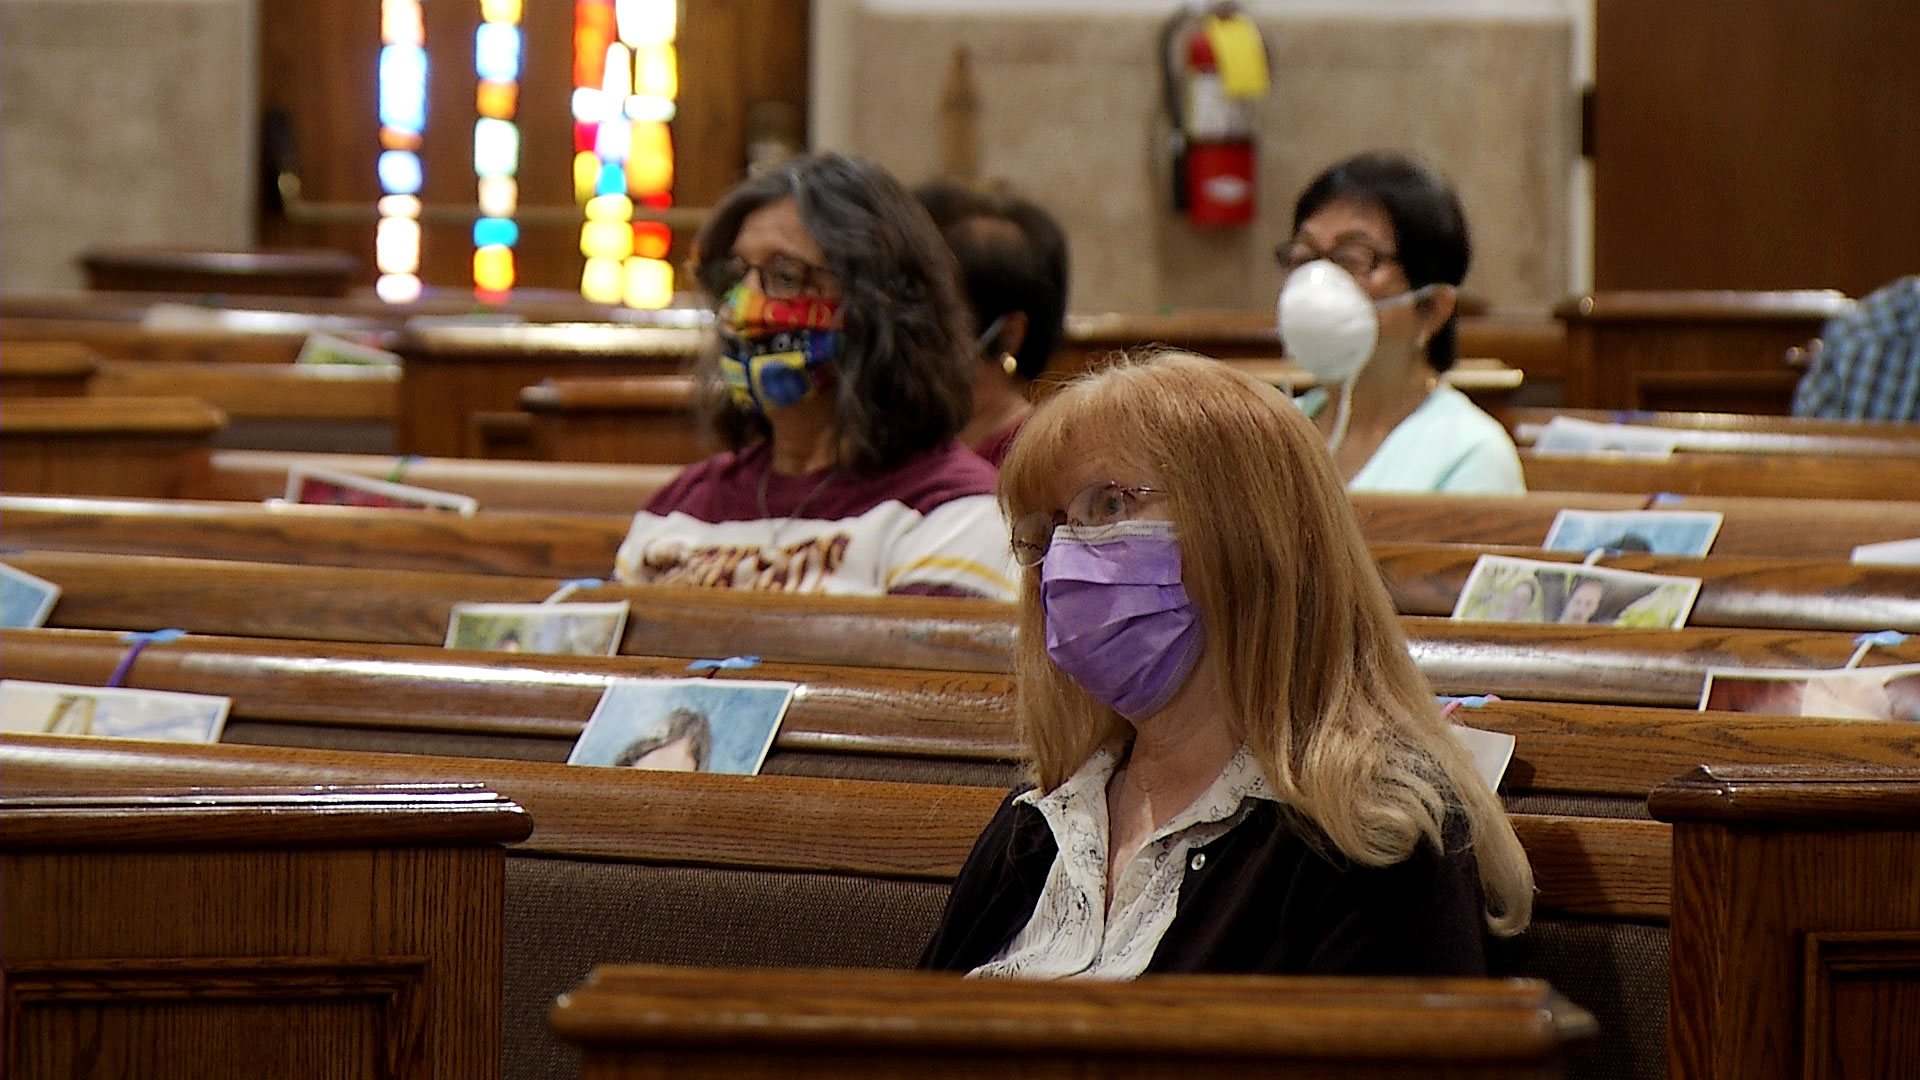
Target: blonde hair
{"x": 1303, "y": 637}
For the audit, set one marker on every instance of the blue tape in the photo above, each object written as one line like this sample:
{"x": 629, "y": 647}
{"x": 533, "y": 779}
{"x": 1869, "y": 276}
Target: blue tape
{"x": 140, "y": 639}
{"x": 401, "y": 466}
{"x": 731, "y": 663}
{"x": 1472, "y": 701}
{"x": 582, "y": 583}
{"x": 1665, "y": 498}
{"x": 1887, "y": 638}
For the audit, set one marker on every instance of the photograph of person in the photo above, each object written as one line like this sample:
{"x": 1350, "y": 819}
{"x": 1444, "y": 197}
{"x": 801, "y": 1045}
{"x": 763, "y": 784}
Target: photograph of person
{"x": 1506, "y": 589}
{"x": 554, "y": 629}
{"x": 321, "y": 487}
{"x": 684, "y": 725}
{"x": 1236, "y": 766}
{"x": 1658, "y": 532}
{"x": 58, "y": 709}
{"x": 1887, "y": 692}
{"x": 25, "y": 600}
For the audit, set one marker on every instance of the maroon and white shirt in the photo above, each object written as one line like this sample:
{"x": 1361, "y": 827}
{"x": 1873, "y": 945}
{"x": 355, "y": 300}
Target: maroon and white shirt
{"x": 930, "y": 525}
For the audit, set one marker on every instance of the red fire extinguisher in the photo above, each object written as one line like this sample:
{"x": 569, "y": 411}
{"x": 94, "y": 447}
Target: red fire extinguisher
{"x": 1211, "y": 109}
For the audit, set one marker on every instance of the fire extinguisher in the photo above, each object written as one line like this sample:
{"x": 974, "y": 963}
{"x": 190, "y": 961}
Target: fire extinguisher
{"x": 1214, "y": 65}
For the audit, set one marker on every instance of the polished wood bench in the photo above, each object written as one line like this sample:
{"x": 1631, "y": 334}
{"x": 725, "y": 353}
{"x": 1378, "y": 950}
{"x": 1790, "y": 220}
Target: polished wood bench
{"x": 1689, "y": 350}
{"x": 694, "y": 869}
{"x": 1424, "y": 579}
{"x": 257, "y": 338}
{"x": 725, "y": 1023}
{"x": 863, "y": 723}
{"x": 1815, "y": 476}
{"x": 1767, "y": 527}
{"x": 521, "y": 486}
{"x": 1535, "y": 661}
{"x": 1794, "y": 955}
{"x": 105, "y": 446}
{"x": 1739, "y": 433}
{"x": 351, "y": 931}
{"x": 452, "y": 372}
{"x": 46, "y": 369}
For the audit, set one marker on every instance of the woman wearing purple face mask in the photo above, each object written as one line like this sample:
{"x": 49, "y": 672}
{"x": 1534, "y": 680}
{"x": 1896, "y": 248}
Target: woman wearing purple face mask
{"x": 840, "y": 382}
{"x": 1237, "y": 766}
{"x": 1367, "y": 305}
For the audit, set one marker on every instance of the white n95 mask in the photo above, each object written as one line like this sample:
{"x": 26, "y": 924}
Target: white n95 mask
{"x": 1327, "y": 322}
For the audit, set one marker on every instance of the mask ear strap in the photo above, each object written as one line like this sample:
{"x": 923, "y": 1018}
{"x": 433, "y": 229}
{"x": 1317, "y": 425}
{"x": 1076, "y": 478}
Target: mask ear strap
{"x": 990, "y": 337}
{"x": 1342, "y": 415}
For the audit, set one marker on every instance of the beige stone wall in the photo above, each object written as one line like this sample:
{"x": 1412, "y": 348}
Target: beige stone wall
{"x": 1070, "y": 113}
{"x": 122, "y": 122}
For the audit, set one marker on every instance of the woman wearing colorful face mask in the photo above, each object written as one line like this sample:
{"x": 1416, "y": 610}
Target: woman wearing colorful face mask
{"x": 1379, "y": 245}
{"x": 1237, "y": 766}
{"x": 841, "y": 379}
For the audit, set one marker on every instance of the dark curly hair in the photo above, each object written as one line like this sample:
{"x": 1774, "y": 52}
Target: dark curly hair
{"x": 682, "y": 723}
{"x": 1429, "y": 226}
{"x": 905, "y": 378}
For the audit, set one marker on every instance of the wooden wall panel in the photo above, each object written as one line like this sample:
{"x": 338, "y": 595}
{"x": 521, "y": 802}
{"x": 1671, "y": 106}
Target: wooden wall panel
{"x": 1756, "y": 144}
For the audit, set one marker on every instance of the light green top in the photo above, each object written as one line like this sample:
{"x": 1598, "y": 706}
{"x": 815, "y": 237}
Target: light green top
{"x": 1447, "y": 444}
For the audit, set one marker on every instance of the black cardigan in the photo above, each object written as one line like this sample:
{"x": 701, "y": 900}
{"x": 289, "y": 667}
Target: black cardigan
{"x": 1258, "y": 899}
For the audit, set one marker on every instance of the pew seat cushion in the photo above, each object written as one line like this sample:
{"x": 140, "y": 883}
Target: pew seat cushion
{"x": 566, "y": 916}
{"x": 928, "y": 525}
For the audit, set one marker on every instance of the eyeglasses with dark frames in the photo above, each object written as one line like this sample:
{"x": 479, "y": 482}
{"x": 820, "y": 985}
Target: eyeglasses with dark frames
{"x": 782, "y": 277}
{"x": 1356, "y": 257}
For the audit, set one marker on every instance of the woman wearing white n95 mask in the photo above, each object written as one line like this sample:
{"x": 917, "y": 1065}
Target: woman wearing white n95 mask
{"x": 1379, "y": 245}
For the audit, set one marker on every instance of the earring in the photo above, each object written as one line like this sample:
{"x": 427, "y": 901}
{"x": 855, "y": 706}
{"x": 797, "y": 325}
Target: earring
{"x": 1008, "y": 364}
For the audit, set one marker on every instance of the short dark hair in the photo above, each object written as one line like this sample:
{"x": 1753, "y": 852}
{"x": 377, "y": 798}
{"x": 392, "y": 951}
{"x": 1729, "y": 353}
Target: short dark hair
{"x": 1013, "y": 257}
{"x": 682, "y": 723}
{"x": 905, "y": 378}
{"x": 1429, "y": 226}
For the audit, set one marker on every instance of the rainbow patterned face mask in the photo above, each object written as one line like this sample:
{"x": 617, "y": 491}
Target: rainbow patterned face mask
{"x": 776, "y": 353}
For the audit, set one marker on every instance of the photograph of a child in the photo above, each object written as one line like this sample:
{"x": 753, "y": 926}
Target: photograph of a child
{"x": 57, "y": 709}
{"x": 1505, "y": 589}
{"x": 324, "y": 488}
{"x": 1572, "y": 436}
{"x": 1889, "y": 692}
{"x": 1658, "y": 532}
{"x": 554, "y": 629}
{"x": 684, "y": 725}
{"x": 25, "y": 600}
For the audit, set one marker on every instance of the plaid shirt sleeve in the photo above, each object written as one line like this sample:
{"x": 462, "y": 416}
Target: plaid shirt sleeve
{"x": 1869, "y": 364}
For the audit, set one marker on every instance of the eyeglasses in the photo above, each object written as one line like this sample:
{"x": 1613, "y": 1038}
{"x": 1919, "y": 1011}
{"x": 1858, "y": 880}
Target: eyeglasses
{"x": 1356, "y": 257}
{"x": 1097, "y": 504}
{"x": 782, "y": 277}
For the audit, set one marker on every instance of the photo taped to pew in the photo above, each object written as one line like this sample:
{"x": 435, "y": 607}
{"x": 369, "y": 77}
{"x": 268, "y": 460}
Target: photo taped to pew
{"x": 320, "y": 487}
{"x": 25, "y": 600}
{"x": 163, "y": 715}
{"x": 1505, "y": 589}
{"x": 684, "y": 725}
{"x": 1888, "y": 692}
{"x": 552, "y": 629}
{"x": 1655, "y": 532}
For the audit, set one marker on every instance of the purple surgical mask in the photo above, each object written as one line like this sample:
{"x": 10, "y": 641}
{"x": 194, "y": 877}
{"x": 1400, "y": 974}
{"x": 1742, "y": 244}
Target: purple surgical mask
{"x": 1118, "y": 620}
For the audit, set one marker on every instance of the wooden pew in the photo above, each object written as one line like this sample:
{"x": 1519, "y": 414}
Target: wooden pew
{"x": 706, "y": 1022}
{"x": 105, "y": 446}
{"x": 350, "y": 932}
{"x": 1424, "y": 579}
{"x": 524, "y": 486}
{"x": 1786, "y": 528}
{"x": 249, "y": 338}
{"x": 452, "y": 372}
{"x": 46, "y": 369}
{"x": 1740, "y": 433}
{"x": 1824, "y": 476}
{"x": 284, "y": 272}
{"x": 650, "y": 418}
{"x": 866, "y": 723}
{"x": 1547, "y": 662}
{"x": 1793, "y": 955}
{"x": 1754, "y": 526}
{"x": 1689, "y": 350}
{"x": 790, "y": 871}
{"x": 863, "y": 723}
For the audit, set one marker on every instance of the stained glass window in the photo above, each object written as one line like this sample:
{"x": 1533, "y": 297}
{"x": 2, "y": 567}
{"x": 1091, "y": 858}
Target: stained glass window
{"x": 403, "y": 124}
{"x": 626, "y": 77}
{"x": 497, "y": 48}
